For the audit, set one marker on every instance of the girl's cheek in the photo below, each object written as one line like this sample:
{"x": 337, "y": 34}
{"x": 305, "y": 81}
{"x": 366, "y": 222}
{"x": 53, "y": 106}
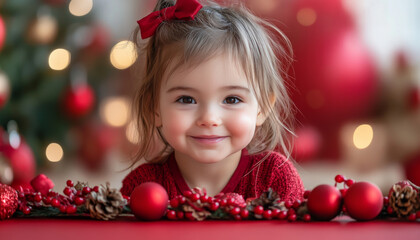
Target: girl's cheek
{"x": 242, "y": 125}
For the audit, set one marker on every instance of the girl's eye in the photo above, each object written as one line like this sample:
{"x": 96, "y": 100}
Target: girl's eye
{"x": 186, "y": 100}
{"x": 232, "y": 100}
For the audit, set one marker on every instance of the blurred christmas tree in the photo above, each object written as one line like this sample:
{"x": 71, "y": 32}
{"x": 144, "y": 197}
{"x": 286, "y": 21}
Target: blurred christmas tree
{"x": 53, "y": 68}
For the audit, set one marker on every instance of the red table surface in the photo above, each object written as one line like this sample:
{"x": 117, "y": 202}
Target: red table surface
{"x": 75, "y": 229}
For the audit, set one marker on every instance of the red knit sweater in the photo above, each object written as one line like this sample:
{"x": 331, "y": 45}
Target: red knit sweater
{"x": 249, "y": 180}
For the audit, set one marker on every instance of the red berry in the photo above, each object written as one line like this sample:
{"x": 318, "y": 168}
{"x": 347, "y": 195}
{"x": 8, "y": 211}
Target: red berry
{"x": 79, "y": 193}
{"x": 47, "y": 200}
{"x": 21, "y": 195}
{"x": 288, "y": 204}
{"x": 292, "y": 218}
{"x": 171, "y": 214}
{"x": 79, "y": 201}
{"x": 267, "y": 214}
{"x": 223, "y": 202}
{"x": 204, "y": 198}
{"x": 194, "y": 197}
{"x": 55, "y": 202}
{"x": 386, "y": 201}
{"x": 67, "y": 191}
{"x": 306, "y": 194}
{"x": 275, "y": 212}
{"x": 174, "y": 202}
{"x": 38, "y": 198}
{"x": 182, "y": 199}
{"x": 418, "y": 214}
{"x": 230, "y": 201}
{"x": 244, "y": 214}
{"x": 86, "y": 190}
{"x": 307, "y": 217}
{"x": 349, "y": 182}
{"x": 180, "y": 215}
{"x": 63, "y": 208}
{"x": 214, "y": 206}
{"x": 296, "y": 204}
{"x": 389, "y": 210}
{"x": 26, "y": 210}
{"x": 237, "y": 217}
{"x": 71, "y": 209}
{"x": 291, "y": 212}
{"x": 189, "y": 216}
{"x": 187, "y": 194}
{"x": 339, "y": 178}
{"x": 282, "y": 215}
{"x": 95, "y": 189}
{"x": 412, "y": 217}
{"x": 69, "y": 183}
{"x": 235, "y": 211}
{"x": 258, "y": 210}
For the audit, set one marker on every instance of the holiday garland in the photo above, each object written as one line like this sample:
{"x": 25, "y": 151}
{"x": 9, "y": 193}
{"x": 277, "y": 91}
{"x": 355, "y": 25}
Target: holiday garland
{"x": 324, "y": 202}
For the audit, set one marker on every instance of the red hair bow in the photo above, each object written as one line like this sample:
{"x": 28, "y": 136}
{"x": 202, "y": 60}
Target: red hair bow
{"x": 183, "y": 10}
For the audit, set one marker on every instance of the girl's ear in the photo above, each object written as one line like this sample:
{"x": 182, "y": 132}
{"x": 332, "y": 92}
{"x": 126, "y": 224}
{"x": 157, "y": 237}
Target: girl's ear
{"x": 262, "y": 117}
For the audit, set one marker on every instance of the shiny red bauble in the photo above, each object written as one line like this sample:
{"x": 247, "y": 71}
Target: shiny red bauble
{"x": 324, "y": 202}
{"x": 149, "y": 201}
{"x": 8, "y": 201}
{"x": 79, "y": 101}
{"x": 363, "y": 201}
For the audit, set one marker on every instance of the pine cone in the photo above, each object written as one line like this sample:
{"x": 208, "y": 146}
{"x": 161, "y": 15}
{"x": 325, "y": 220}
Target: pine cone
{"x": 80, "y": 185}
{"x": 105, "y": 204}
{"x": 269, "y": 200}
{"x": 404, "y": 198}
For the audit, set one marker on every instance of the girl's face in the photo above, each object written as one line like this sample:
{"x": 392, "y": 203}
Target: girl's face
{"x": 209, "y": 112}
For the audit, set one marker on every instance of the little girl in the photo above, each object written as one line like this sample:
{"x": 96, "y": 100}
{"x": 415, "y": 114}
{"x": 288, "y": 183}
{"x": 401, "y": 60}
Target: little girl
{"x": 212, "y": 105}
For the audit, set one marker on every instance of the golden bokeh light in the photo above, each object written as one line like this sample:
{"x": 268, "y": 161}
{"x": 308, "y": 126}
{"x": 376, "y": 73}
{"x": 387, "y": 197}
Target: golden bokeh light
{"x": 80, "y": 7}
{"x": 306, "y": 16}
{"x": 115, "y": 111}
{"x": 131, "y": 132}
{"x": 123, "y": 55}
{"x": 362, "y": 136}
{"x": 54, "y": 152}
{"x": 59, "y": 59}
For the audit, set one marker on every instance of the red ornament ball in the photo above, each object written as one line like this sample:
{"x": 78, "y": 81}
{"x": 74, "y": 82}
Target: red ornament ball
{"x": 8, "y": 201}
{"x": 2, "y": 32}
{"x": 324, "y": 202}
{"x": 79, "y": 101}
{"x": 363, "y": 201}
{"x": 149, "y": 201}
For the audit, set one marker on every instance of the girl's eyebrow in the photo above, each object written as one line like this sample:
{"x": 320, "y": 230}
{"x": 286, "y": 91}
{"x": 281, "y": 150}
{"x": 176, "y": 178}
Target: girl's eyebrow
{"x": 234, "y": 87}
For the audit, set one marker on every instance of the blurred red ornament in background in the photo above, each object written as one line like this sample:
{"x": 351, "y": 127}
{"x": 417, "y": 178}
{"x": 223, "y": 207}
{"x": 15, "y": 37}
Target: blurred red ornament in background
{"x": 307, "y": 144}
{"x": 98, "y": 41}
{"x": 22, "y": 162}
{"x": 95, "y": 141}
{"x": 412, "y": 168}
{"x": 2, "y": 32}
{"x": 79, "y": 101}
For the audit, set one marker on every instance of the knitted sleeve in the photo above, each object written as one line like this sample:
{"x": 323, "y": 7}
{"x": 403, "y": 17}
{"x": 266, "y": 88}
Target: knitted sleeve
{"x": 286, "y": 180}
{"x": 143, "y": 173}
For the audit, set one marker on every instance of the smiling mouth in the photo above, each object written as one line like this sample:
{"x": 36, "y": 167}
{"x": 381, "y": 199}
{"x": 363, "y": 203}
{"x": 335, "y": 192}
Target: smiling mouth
{"x": 209, "y": 139}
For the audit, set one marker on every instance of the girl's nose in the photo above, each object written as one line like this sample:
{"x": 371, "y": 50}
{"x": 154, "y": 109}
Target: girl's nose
{"x": 209, "y": 117}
